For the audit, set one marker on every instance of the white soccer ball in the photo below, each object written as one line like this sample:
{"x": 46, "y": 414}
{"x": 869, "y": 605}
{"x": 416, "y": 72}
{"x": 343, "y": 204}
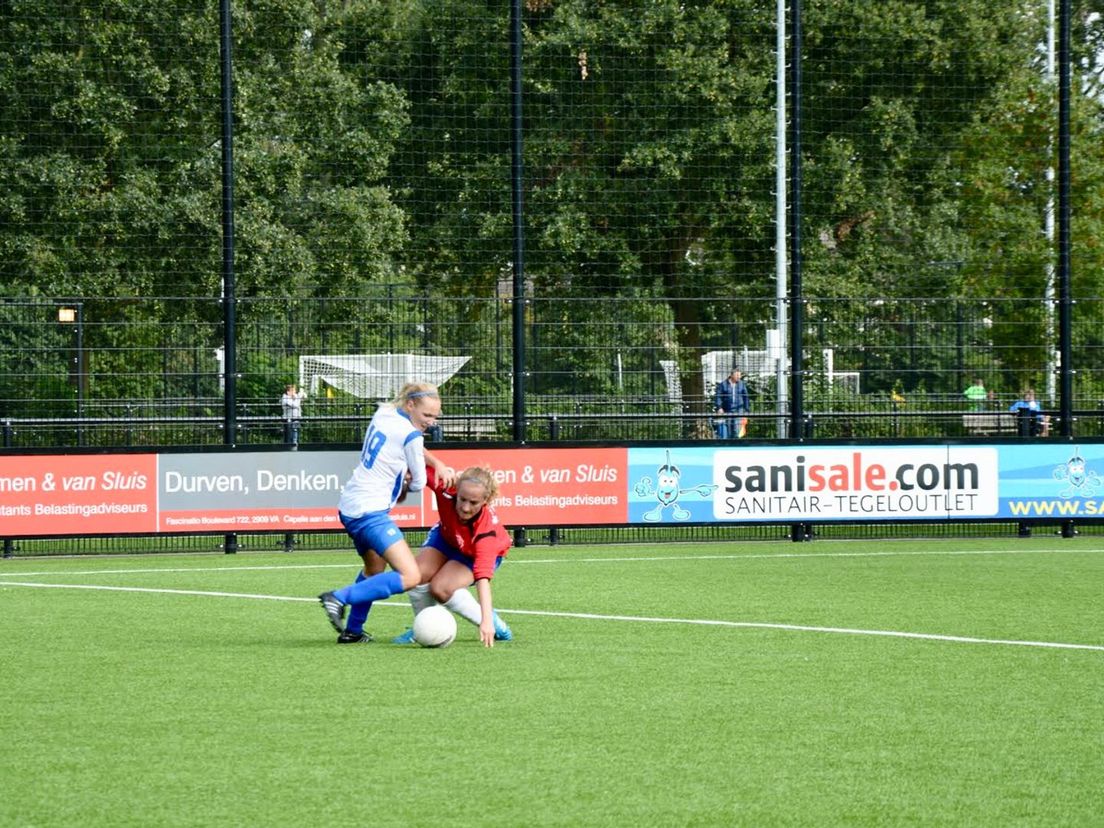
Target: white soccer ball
{"x": 434, "y": 627}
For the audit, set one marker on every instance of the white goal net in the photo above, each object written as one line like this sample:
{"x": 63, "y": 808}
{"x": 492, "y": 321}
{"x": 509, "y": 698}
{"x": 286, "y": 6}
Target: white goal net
{"x": 374, "y": 376}
{"x": 761, "y": 365}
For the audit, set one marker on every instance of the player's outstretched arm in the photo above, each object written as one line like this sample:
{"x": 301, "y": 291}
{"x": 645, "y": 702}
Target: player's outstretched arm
{"x": 486, "y": 607}
{"x": 446, "y": 475}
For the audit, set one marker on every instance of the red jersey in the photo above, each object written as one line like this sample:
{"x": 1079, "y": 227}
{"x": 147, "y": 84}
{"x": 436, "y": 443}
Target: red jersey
{"x": 484, "y": 539}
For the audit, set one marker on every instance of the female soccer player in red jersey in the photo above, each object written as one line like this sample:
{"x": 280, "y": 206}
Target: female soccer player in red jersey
{"x": 466, "y": 546}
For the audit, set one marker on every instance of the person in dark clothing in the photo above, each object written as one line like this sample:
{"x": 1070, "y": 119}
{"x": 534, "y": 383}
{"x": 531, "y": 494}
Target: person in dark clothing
{"x": 732, "y": 405}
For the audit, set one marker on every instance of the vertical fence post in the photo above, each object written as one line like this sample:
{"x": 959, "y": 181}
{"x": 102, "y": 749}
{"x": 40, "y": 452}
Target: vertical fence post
{"x": 517, "y": 182}
{"x": 797, "y": 302}
{"x": 516, "y": 177}
{"x": 1065, "y": 348}
{"x": 8, "y": 434}
{"x": 553, "y": 434}
{"x": 228, "y": 288}
{"x": 798, "y": 531}
{"x": 81, "y": 377}
{"x": 1065, "y": 298}
{"x": 780, "y": 207}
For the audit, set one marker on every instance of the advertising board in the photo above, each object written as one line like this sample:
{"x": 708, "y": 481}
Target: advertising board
{"x": 287, "y": 491}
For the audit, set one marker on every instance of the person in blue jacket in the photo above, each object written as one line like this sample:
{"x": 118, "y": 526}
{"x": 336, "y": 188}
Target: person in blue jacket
{"x": 732, "y": 405}
{"x": 1027, "y": 406}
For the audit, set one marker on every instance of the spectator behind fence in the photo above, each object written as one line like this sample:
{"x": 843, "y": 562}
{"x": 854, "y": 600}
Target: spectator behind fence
{"x": 731, "y": 399}
{"x": 977, "y": 395}
{"x": 292, "y": 405}
{"x": 1032, "y": 421}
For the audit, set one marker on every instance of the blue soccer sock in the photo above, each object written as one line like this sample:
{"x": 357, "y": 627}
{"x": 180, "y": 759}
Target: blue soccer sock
{"x": 371, "y": 589}
{"x": 358, "y": 613}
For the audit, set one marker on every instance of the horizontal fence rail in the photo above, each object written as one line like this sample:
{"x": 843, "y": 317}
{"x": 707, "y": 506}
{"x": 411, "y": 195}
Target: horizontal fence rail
{"x": 162, "y": 432}
{"x": 151, "y": 371}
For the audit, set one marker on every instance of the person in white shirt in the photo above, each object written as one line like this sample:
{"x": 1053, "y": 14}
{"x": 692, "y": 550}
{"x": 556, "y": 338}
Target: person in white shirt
{"x": 292, "y": 404}
{"x": 392, "y": 462}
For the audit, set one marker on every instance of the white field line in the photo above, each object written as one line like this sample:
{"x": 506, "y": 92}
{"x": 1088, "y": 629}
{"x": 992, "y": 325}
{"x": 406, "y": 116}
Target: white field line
{"x": 701, "y": 622}
{"x": 567, "y": 559}
{"x": 762, "y": 625}
{"x": 201, "y": 592}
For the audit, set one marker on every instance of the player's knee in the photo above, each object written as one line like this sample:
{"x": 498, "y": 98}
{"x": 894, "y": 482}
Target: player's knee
{"x": 425, "y": 573}
{"x": 440, "y": 592}
{"x": 373, "y": 563}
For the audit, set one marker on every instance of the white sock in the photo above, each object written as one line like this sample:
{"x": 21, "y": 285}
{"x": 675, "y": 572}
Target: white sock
{"x": 420, "y": 598}
{"x": 463, "y": 603}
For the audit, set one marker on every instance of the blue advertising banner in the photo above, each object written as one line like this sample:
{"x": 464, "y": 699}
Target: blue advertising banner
{"x": 1051, "y": 481}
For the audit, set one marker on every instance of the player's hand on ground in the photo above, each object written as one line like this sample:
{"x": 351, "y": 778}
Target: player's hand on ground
{"x": 486, "y": 633}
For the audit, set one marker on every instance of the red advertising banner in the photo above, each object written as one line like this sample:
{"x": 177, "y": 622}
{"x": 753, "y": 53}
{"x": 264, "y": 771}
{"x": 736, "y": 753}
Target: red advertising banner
{"x": 82, "y": 494}
{"x": 280, "y": 491}
{"x": 540, "y": 487}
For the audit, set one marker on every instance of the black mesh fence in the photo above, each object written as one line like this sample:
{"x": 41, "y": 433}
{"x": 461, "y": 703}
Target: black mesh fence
{"x": 150, "y": 372}
{"x": 623, "y": 211}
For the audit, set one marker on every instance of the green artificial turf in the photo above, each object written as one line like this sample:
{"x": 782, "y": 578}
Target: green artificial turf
{"x": 222, "y": 699}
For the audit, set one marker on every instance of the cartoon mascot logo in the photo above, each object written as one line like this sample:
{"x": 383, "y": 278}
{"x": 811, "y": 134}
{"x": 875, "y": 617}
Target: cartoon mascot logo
{"x": 1080, "y": 482}
{"x": 668, "y": 490}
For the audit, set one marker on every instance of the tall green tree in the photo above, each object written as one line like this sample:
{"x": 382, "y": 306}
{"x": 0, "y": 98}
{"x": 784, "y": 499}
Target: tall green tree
{"x": 111, "y": 157}
{"x": 108, "y": 154}
{"x": 314, "y": 138}
{"x": 647, "y": 154}
{"x": 901, "y": 107}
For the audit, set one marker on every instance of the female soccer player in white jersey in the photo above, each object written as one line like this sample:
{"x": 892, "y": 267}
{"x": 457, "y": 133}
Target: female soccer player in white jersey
{"x": 393, "y": 447}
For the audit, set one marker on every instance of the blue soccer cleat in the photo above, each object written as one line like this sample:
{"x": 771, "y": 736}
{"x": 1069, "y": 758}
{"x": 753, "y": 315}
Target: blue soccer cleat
{"x": 404, "y": 638}
{"x": 502, "y": 629}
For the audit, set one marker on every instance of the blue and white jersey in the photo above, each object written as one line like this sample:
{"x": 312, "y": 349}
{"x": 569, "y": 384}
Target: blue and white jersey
{"x": 392, "y": 445}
